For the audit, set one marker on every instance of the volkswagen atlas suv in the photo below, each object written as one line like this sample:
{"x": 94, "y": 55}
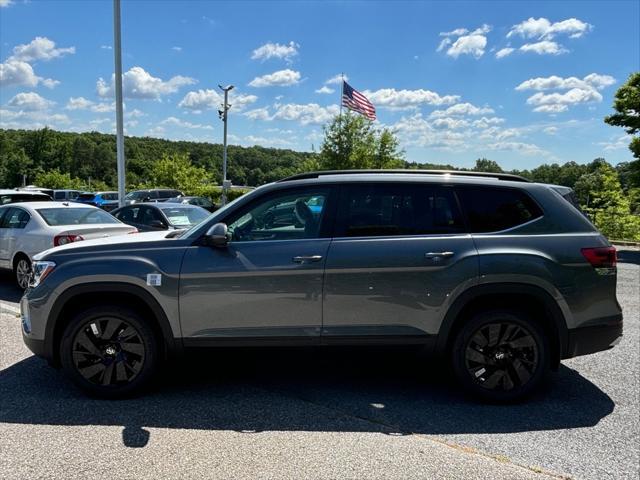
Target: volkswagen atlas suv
{"x": 499, "y": 277}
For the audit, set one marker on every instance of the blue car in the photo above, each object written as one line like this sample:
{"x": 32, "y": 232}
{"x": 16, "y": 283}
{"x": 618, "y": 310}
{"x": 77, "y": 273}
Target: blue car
{"x": 105, "y": 200}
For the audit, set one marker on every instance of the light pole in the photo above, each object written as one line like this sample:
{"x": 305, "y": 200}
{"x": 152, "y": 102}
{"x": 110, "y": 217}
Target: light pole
{"x": 223, "y": 116}
{"x": 117, "y": 53}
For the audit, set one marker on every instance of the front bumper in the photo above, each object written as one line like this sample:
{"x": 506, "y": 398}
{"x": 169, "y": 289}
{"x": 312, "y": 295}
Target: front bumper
{"x": 596, "y": 338}
{"x": 36, "y": 346}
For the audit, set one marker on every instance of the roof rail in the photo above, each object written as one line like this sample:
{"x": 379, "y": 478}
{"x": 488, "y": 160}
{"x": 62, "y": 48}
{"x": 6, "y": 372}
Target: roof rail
{"x": 464, "y": 173}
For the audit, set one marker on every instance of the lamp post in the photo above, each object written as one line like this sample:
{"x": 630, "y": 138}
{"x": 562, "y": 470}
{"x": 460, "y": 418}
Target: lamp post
{"x": 117, "y": 53}
{"x": 223, "y": 116}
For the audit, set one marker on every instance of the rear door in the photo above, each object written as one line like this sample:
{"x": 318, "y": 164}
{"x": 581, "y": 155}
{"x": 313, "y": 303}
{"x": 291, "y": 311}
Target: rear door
{"x": 400, "y": 253}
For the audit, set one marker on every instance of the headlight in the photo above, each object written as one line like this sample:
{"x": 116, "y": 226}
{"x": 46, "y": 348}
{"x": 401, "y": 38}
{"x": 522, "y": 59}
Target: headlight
{"x": 40, "y": 271}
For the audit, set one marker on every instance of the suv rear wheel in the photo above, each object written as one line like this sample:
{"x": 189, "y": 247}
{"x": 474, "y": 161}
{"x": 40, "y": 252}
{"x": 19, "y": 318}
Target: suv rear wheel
{"x": 501, "y": 356}
{"x": 109, "y": 352}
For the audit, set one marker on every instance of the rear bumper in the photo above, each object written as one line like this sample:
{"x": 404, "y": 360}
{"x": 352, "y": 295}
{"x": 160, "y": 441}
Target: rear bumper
{"x": 592, "y": 339}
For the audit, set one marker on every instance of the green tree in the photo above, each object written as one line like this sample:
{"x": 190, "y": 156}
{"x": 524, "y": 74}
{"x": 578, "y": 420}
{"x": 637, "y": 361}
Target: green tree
{"x": 177, "y": 171}
{"x": 602, "y": 198}
{"x": 486, "y": 165}
{"x": 55, "y": 179}
{"x": 352, "y": 142}
{"x": 627, "y": 107}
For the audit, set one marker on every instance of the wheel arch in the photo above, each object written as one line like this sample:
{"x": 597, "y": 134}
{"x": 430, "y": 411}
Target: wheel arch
{"x": 507, "y": 295}
{"x": 79, "y": 297}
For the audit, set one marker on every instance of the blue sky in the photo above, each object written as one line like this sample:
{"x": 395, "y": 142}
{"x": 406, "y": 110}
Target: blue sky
{"x": 522, "y": 83}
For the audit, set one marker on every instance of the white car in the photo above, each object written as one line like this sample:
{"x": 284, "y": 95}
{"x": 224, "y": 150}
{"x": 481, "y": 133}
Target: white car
{"x": 28, "y": 228}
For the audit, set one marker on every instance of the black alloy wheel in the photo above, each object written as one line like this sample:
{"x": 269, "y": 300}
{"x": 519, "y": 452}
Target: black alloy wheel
{"x": 109, "y": 351}
{"x": 501, "y": 355}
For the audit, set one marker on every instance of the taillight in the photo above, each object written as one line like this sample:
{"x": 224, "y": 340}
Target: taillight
{"x": 601, "y": 257}
{"x": 64, "y": 239}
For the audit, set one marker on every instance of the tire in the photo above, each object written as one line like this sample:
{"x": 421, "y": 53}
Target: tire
{"x": 501, "y": 356}
{"x": 109, "y": 352}
{"x": 22, "y": 271}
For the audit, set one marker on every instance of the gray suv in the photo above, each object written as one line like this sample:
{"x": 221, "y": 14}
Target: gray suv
{"x": 500, "y": 277}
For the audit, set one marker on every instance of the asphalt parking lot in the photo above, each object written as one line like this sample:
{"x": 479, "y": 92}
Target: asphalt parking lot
{"x": 323, "y": 414}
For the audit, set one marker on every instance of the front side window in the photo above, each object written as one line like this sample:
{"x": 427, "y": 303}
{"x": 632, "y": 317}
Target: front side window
{"x": 128, "y": 215}
{"x": 370, "y": 210}
{"x": 75, "y": 216}
{"x": 492, "y": 209}
{"x": 283, "y": 216}
{"x": 184, "y": 216}
{"x": 59, "y": 195}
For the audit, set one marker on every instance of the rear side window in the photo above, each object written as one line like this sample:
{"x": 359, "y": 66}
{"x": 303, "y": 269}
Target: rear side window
{"x": 59, "y": 195}
{"x": 15, "y": 218}
{"x": 492, "y": 209}
{"x": 369, "y": 210}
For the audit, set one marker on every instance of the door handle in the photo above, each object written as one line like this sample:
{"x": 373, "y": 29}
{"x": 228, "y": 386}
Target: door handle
{"x": 438, "y": 254}
{"x": 307, "y": 259}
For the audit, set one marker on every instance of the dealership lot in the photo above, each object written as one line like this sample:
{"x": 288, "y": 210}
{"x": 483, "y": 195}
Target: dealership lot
{"x": 323, "y": 414}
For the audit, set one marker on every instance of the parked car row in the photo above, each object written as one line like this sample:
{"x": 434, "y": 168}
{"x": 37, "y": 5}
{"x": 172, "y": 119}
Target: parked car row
{"x": 30, "y": 222}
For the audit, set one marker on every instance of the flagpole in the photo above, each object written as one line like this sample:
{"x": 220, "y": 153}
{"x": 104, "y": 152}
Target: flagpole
{"x": 341, "y": 92}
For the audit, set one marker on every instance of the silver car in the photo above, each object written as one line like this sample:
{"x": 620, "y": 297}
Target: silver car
{"x": 497, "y": 276}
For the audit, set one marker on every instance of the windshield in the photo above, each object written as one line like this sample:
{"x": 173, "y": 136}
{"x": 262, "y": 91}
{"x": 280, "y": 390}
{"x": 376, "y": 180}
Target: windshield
{"x": 184, "y": 216}
{"x": 75, "y": 216}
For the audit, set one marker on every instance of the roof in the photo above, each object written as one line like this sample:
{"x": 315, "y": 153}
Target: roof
{"x": 10, "y": 191}
{"x": 436, "y": 173}
{"x": 37, "y": 205}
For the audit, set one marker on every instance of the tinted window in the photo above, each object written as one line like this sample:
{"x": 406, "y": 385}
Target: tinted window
{"x": 110, "y": 196}
{"x": 15, "y": 218}
{"x": 75, "y": 216}
{"x": 86, "y": 196}
{"x": 284, "y": 216}
{"x": 17, "y": 197}
{"x": 128, "y": 215}
{"x": 59, "y": 195}
{"x": 491, "y": 209}
{"x": 396, "y": 209}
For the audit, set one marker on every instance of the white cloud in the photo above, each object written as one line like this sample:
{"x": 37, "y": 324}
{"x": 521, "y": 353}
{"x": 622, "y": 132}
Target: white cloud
{"x": 176, "y": 49}
{"x": 543, "y": 29}
{"x": 30, "y": 101}
{"x": 137, "y": 83}
{"x": 520, "y": 147}
{"x": 503, "y": 52}
{"x": 467, "y": 42}
{"x": 281, "y": 78}
{"x": 106, "y": 47}
{"x": 135, "y": 113}
{"x": 593, "y": 80}
{"x": 407, "y": 99}
{"x": 336, "y": 79}
{"x": 461, "y": 109}
{"x": 17, "y": 73}
{"x": 578, "y": 91}
{"x": 81, "y": 103}
{"x": 210, "y": 99}
{"x": 5, "y": 3}
{"x": 486, "y": 122}
{"x": 550, "y": 130}
{"x": 78, "y": 103}
{"x": 560, "y": 102}
{"x": 276, "y": 50}
{"x": 450, "y": 123}
{"x": 258, "y": 114}
{"x": 305, "y": 114}
{"x": 40, "y": 48}
{"x": 157, "y": 132}
{"x": 544, "y": 47}
{"x": 616, "y": 143}
{"x": 50, "y": 82}
{"x": 176, "y": 122}
{"x": 266, "y": 142}
{"x": 31, "y": 119}
{"x": 325, "y": 89}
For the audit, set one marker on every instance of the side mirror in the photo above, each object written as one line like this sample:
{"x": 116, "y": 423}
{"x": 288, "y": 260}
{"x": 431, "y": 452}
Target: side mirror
{"x": 217, "y": 236}
{"x": 158, "y": 225}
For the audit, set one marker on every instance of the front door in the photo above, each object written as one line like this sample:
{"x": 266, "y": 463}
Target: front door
{"x": 267, "y": 283}
{"x": 399, "y": 255}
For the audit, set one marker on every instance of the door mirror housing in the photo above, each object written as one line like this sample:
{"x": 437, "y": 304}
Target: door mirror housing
{"x": 217, "y": 236}
{"x": 157, "y": 224}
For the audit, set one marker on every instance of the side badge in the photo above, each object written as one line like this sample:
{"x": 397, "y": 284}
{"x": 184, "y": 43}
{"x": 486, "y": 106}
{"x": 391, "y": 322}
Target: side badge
{"x": 154, "y": 279}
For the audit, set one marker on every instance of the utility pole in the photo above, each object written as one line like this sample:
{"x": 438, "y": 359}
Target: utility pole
{"x": 117, "y": 53}
{"x": 223, "y": 116}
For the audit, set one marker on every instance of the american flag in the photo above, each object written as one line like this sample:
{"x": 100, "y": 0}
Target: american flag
{"x": 354, "y": 100}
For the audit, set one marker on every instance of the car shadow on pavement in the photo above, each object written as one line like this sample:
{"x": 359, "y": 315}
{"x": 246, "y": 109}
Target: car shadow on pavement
{"x": 363, "y": 390}
{"x": 629, "y": 256}
{"x": 9, "y": 291}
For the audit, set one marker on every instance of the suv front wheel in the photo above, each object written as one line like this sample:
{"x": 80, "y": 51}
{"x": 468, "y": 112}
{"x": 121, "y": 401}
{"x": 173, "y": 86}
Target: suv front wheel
{"x": 500, "y": 356}
{"x": 109, "y": 352}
